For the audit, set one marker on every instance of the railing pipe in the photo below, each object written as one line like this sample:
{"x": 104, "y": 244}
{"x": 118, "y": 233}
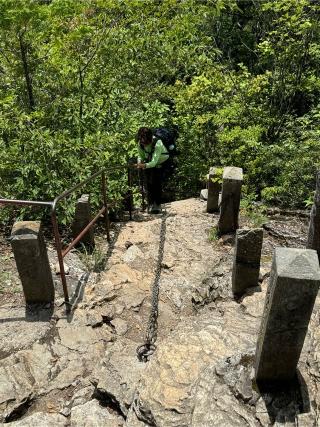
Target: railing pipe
{"x": 24, "y": 202}
{"x": 60, "y": 258}
{"x": 53, "y": 204}
{"x": 72, "y": 189}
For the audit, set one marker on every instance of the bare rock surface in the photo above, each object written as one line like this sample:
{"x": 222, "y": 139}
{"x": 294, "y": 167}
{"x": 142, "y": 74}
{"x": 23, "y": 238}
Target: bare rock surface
{"x": 94, "y": 415}
{"x": 41, "y": 419}
{"x": 82, "y": 368}
{"x": 166, "y": 390}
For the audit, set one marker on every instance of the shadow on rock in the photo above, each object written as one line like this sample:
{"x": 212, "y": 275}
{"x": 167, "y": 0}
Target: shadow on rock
{"x": 40, "y": 312}
{"x": 279, "y": 403}
{"x": 77, "y": 295}
{"x": 284, "y": 401}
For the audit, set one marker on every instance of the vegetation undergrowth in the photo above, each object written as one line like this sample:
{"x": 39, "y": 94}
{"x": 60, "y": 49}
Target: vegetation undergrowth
{"x": 213, "y": 234}
{"x": 254, "y": 213}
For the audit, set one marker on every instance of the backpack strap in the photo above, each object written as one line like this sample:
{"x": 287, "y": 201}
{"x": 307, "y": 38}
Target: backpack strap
{"x": 154, "y": 140}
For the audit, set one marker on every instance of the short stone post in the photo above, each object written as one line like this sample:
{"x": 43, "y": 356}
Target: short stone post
{"x": 246, "y": 261}
{"x": 314, "y": 225}
{"x": 230, "y": 200}
{"x": 82, "y": 219}
{"x": 293, "y": 287}
{"x": 32, "y": 262}
{"x": 214, "y": 187}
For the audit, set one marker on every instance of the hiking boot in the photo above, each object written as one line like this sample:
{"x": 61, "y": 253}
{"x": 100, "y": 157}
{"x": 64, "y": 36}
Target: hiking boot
{"x": 155, "y": 209}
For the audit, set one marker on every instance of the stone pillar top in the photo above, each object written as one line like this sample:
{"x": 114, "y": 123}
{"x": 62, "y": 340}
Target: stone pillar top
{"x": 84, "y": 198}
{"x": 301, "y": 264}
{"x": 25, "y": 227}
{"x": 246, "y": 230}
{"x": 231, "y": 172}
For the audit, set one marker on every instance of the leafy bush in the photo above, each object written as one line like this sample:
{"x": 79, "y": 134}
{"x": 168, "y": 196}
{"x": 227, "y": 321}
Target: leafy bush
{"x": 239, "y": 79}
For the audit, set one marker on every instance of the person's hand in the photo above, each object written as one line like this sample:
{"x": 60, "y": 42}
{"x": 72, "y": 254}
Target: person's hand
{"x": 141, "y": 165}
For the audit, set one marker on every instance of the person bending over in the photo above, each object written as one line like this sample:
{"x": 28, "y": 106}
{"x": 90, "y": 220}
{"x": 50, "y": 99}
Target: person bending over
{"x": 152, "y": 155}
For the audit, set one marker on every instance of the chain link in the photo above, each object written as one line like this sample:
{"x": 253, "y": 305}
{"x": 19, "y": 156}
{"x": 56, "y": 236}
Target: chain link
{"x": 146, "y": 350}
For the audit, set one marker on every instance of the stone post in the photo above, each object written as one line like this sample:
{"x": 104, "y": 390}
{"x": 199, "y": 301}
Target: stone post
{"x": 314, "y": 225}
{"x": 32, "y": 262}
{"x": 82, "y": 219}
{"x": 230, "y": 200}
{"x": 246, "y": 261}
{"x": 293, "y": 287}
{"x": 214, "y": 188}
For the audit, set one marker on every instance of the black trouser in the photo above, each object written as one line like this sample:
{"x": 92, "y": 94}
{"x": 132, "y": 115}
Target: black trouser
{"x": 154, "y": 185}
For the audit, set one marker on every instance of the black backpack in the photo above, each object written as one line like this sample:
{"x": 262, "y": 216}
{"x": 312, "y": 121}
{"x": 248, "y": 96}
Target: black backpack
{"x": 168, "y": 138}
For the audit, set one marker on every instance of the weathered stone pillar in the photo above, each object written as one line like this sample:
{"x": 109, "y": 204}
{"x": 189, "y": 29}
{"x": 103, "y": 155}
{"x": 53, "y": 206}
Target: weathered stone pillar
{"x": 246, "y": 261}
{"x": 214, "y": 188}
{"x": 32, "y": 261}
{"x": 293, "y": 287}
{"x": 82, "y": 219}
{"x": 230, "y": 200}
{"x": 314, "y": 225}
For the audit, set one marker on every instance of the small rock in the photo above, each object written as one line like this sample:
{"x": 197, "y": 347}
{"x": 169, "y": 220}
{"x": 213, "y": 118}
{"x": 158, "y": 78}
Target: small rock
{"x": 118, "y": 309}
{"x": 65, "y": 411}
{"x": 244, "y": 386}
{"x": 263, "y": 275}
{"x": 83, "y": 395}
{"x": 94, "y": 321}
{"x": 167, "y": 265}
{"x": 120, "y": 325}
{"x": 38, "y": 419}
{"x": 128, "y": 244}
{"x": 262, "y": 412}
{"x": 108, "y": 313}
{"x": 227, "y": 239}
{"x": 92, "y": 414}
{"x": 132, "y": 253}
{"x": 204, "y": 194}
{"x": 306, "y": 420}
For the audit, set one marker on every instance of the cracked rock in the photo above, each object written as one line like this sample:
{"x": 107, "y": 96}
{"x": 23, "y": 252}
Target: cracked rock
{"x": 41, "y": 419}
{"x": 93, "y": 414}
{"x": 118, "y": 377}
{"x": 120, "y": 325}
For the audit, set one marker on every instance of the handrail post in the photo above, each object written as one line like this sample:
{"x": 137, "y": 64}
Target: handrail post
{"x": 60, "y": 258}
{"x": 105, "y": 204}
{"x": 141, "y": 184}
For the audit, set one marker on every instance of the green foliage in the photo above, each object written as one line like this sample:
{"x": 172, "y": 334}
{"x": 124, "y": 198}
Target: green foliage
{"x": 218, "y": 176}
{"x": 94, "y": 261}
{"x": 253, "y": 212}
{"x": 309, "y": 201}
{"x": 240, "y": 79}
{"x": 213, "y": 234}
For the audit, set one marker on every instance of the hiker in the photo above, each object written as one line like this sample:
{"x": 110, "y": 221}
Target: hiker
{"x": 153, "y": 157}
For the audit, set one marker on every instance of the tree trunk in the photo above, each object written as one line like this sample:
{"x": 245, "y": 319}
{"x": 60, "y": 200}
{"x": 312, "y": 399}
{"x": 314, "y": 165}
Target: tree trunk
{"x": 27, "y": 75}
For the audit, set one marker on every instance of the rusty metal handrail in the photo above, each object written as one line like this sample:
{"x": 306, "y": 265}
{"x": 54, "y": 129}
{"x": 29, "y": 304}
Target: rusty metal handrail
{"x": 24, "y": 202}
{"x": 53, "y": 205}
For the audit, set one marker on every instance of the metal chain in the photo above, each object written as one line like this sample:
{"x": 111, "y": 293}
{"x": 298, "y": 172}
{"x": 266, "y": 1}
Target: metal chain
{"x": 146, "y": 350}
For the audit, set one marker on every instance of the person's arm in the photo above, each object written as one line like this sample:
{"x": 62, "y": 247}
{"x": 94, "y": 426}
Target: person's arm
{"x": 141, "y": 155}
{"x": 158, "y": 149}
